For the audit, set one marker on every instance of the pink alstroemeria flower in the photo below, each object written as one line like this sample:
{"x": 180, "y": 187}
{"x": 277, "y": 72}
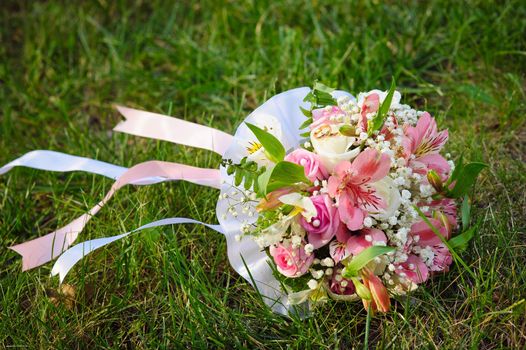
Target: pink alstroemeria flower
{"x": 323, "y": 116}
{"x": 413, "y": 268}
{"x": 272, "y": 201}
{"x": 446, "y": 206}
{"x": 365, "y": 239}
{"x": 424, "y": 237}
{"x": 371, "y": 104}
{"x": 351, "y": 186}
{"x": 424, "y": 141}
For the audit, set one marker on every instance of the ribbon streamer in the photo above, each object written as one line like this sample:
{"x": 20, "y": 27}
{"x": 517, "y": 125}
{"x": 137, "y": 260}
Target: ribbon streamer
{"x": 73, "y": 255}
{"x": 44, "y": 249}
{"x": 56, "y": 161}
{"x": 163, "y": 127}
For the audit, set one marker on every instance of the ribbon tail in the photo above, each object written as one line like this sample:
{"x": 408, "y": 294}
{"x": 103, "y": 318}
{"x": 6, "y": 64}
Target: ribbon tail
{"x": 73, "y": 255}
{"x": 46, "y": 248}
{"x": 57, "y": 161}
{"x": 163, "y": 127}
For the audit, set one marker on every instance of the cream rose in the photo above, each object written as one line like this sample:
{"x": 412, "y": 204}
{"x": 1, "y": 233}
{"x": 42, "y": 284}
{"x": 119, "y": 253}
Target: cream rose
{"x": 331, "y": 146}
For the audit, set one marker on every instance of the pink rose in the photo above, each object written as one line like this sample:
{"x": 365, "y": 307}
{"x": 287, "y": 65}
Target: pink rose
{"x": 314, "y": 170}
{"x": 322, "y": 227}
{"x": 291, "y": 262}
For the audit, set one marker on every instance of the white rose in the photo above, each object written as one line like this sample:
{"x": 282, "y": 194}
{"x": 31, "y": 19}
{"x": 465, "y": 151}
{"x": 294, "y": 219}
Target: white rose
{"x": 387, "y": 190}
{"x": 331, "y": 146}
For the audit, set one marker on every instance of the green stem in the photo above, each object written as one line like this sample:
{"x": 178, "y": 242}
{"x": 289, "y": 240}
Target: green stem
{"x": 367, "y": 328}
{"x": 446, "y": 243}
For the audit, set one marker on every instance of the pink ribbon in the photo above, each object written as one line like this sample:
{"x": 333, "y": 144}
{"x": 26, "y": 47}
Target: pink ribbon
{"x": 44, "y": 249}
{"x": 162, "y": 127}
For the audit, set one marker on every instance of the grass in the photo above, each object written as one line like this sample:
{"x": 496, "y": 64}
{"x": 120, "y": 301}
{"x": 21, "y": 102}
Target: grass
{"x": 62, "y": 66}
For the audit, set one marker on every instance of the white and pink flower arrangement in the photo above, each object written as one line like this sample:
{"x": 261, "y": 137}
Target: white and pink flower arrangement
{"x": 365, "y": 207}
{"x": 322, "y": 196}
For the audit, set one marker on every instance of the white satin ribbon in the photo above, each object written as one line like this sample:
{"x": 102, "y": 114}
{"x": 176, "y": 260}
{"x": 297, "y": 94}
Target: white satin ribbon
{"x": 46, "y": 248}
{"x": 74, "y": 254}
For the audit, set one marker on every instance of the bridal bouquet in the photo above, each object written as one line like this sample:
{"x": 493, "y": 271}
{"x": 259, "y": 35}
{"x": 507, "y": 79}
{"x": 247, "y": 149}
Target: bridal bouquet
{"x": 365, "y": 207}
{"x": 321, "y": 196}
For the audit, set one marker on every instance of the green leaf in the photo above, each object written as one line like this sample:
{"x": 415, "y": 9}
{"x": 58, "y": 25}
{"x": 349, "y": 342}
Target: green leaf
{"x": 273, "y": 148}
{"x": 465, "y": 211}
{"x": 359, "y": 261}
{"x": 284, "y": 174}
{"x": 306, "y": 123}
{"x": 321, "y": 87}
{"x": 238, "y": 178}
{"x": 460, "y": 242}
{"x": 306, "y": 112}
{"x": 458, "y": 168}
{"x": 305, "y": 134}
{"x": 263, "y": 181}
{"x": 465, "y": 179}
{"x": 378, "y": 121}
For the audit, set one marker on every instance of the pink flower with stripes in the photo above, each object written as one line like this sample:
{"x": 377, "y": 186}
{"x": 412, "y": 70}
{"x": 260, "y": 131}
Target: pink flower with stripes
{"x": 351, "y": 186}
{"x": 422, "y": 144}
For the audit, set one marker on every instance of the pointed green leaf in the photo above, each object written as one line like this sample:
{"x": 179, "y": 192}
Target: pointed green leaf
{"x": 273, "y": 148}
{"x": 359, "y": 261}
{"x": 306, "y": 123}
{"x": 465, "y": 211}
{"x": 306, "y": 112}
{"x": 460, "y": 242}
{"x": 465, "y": 179}
{"x": 321, "y": 87}
{"x": 284, "y": 174}
{"x": 378, "y": 121}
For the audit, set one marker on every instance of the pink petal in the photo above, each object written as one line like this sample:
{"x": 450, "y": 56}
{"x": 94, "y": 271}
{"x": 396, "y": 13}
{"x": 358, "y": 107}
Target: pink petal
{"x": 349, "y": 214}
{"x": 370, "y": 166}
{"x": 426, "y": 235}
{"x": 332, "y": 186}
{"x": 418, "y": 274}
{"x": 358, "y": 242}
{"x": 343, "y": 234}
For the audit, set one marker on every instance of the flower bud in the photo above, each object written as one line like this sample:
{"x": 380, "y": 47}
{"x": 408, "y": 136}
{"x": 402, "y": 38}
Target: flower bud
{"x": 444, "y": 220}
{"x": 347, "y": 130}
{"x": 435, "y": 181}
{"x": 362, "y": 291}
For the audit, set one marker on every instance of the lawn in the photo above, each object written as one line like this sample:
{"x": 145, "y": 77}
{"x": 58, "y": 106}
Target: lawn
{"x": 63, "y": 66}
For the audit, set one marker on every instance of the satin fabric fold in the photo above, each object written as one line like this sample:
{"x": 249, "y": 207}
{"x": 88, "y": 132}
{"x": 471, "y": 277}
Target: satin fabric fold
{"x": 57, "y": 161}
{"x": 44, "y": 249}
{"x": 163, "y": 127}
{"x": 74, "y": 254}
